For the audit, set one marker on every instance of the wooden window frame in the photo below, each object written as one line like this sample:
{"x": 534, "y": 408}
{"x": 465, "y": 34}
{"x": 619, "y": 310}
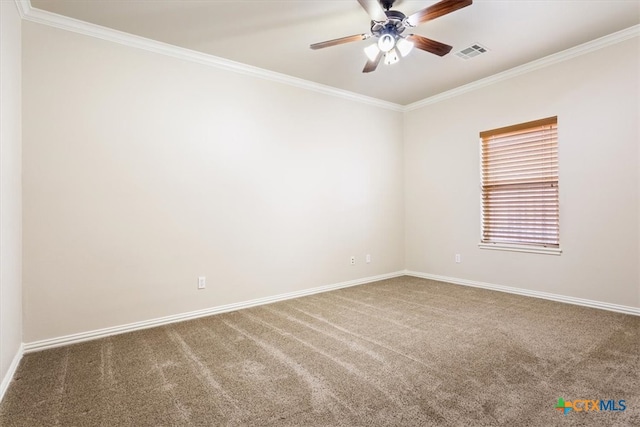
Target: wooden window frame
{"x": 531, "y": 179}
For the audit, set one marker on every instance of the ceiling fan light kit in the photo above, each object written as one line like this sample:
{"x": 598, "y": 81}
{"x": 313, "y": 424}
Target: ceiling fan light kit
{"x": 391, "y": 57}
{"x": 388, "y": 25}
{"x": 372, "y": 51}
{"x": 386, "y": 42}
{"x": 404, "y": 46}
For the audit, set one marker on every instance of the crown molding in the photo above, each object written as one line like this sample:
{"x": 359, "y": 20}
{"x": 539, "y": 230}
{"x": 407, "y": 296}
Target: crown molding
{"x": 573, "y": 52}
{"x": 39, "y": 16}
{"x": 23, "y": 7}
{"x": 74, "y": 25}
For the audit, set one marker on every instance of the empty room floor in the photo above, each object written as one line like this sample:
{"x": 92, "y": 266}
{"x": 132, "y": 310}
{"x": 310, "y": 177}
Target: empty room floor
{"x": 403, "y": 351}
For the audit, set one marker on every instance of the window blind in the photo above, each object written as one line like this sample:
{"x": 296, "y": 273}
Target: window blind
{"x": 520, "y": 184}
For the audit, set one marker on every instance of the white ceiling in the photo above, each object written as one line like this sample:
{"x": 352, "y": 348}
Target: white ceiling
{"x": 275, "y": 35}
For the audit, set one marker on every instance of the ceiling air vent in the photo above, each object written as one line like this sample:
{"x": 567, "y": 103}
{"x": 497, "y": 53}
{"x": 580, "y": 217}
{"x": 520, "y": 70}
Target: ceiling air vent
{"x": 471, "y": 51}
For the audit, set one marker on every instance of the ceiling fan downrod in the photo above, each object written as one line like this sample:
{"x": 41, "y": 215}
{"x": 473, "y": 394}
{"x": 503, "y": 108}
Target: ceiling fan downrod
{"x": 387, "y": 4}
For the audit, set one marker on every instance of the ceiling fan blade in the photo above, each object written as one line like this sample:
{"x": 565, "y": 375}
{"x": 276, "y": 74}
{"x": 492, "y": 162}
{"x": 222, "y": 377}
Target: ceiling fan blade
{"x": 374, "y": 9}
{"x": 429, "y": 45}
{"x": 342, "y": 40}
{"x": 371, "y": 65}
{"x": 434, "y": 11}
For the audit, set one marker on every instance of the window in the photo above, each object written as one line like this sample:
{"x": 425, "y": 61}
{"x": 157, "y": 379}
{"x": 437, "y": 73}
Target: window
{"x": 520, "y": 206}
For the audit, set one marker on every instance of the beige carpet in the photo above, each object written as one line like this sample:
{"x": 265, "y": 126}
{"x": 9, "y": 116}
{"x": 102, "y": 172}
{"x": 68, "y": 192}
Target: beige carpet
{"x": 404, "y": 351}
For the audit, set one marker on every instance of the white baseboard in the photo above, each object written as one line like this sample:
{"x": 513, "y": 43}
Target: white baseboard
{"x": 536, "y": 294}
{"x": 101, "y": 333}
{"x": 11, "y": 372}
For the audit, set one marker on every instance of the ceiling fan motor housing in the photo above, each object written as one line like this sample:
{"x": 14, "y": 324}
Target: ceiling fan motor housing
{"x": 394, "y": 25}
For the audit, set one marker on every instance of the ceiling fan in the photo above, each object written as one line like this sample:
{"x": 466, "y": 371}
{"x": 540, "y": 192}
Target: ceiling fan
{"x": 388, "y": 27}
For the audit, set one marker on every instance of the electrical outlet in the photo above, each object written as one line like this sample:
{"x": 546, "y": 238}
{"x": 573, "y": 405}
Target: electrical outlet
{"x": 368, "y": 258}
{"x": 458, "y": 259}
{"x": 352, "y": 261}
{"x": 202, "y": 282}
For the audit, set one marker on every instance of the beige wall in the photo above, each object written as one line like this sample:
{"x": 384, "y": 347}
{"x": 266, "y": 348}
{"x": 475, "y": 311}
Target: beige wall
{"x": 142, "y": 172}
{"x": 10, "y": 187}
{"x": 595, "y": 97}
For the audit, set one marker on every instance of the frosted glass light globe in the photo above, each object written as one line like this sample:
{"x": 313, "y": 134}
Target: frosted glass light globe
{"x": 386, "y": 42}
